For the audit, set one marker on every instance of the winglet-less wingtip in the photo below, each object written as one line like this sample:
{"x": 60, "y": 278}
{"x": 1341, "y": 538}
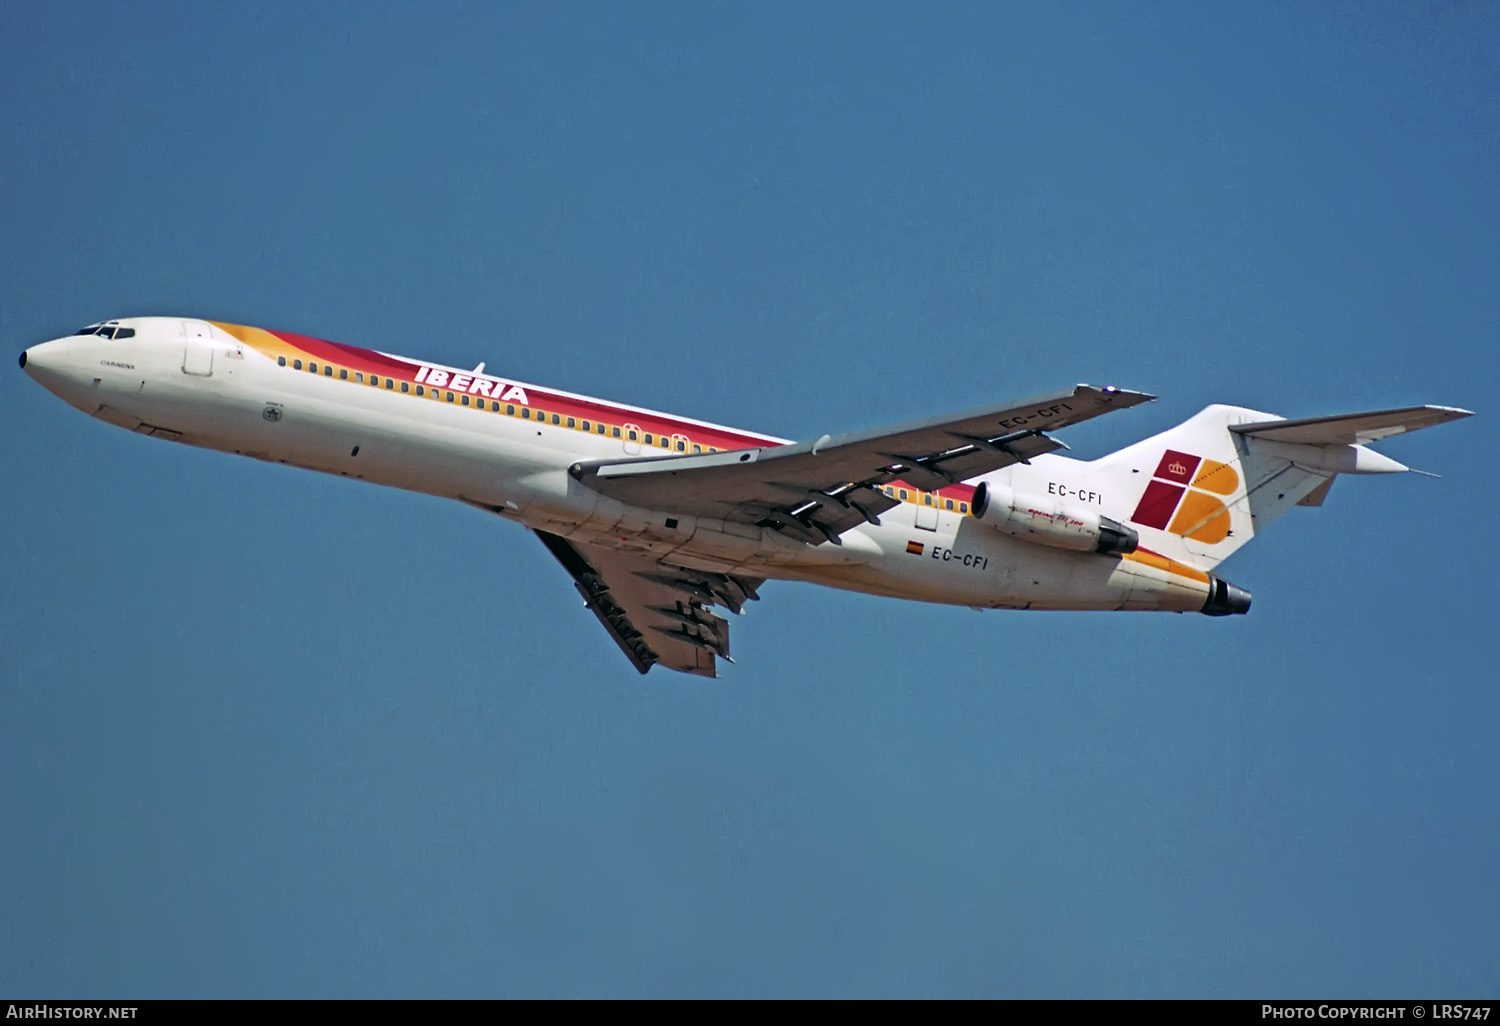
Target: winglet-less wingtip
{"x": 1131, "y": 396}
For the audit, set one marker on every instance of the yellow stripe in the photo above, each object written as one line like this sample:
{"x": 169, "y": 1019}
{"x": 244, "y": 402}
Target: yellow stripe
{"x": 1171, "y": 566}
{"x": 259, "y": 339}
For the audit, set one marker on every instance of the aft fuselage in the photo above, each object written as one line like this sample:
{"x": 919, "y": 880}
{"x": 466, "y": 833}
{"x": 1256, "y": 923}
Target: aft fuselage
{"x": 507, "y": 447}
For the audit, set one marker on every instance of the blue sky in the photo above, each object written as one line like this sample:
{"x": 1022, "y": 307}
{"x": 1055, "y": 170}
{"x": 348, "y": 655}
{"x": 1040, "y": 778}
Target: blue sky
{"x": 265, "y": 733}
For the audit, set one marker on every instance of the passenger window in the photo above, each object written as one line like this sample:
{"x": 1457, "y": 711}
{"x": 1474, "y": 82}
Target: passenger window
{"x": 281, "y": 361}
{"x": 586, "y": 426}
{"x": 666, "y": 443}
{"x": 526, "y": 413}
{"x": 648, "y": 440}
{"x": 963, "y": 507}
{"x": 390, "y": 383}
{"x": 328, "y": 370}
{"x": 296, "y": 364}
{"x": 616, "y": 432}
{"x": 948, "y": 503}
{"x": 465, "y": 399}
{"x": 599, "y": 428}
{"x": 313, "y": 367}
{"x": 927, "y": 500}
{"x": 421, "y": 391}
{"x": 681, "y": 445}
{"x": 697, "y": 448}
{"x": 571, "y": 422}
{"x": 450, "y": 396}
{"x": 359, "y": 377}
{"x": 556, "y": 419}
{"x": 902, "y": 495}
{"x": 510, "y": 409}
{"x": 343, "y": 374}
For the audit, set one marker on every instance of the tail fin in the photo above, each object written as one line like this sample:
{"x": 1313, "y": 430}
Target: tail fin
{"x": 1209, "y": 485}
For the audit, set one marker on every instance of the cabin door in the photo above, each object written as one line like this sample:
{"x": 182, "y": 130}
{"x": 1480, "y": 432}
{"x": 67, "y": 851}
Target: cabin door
{"x": 197, "y": 350}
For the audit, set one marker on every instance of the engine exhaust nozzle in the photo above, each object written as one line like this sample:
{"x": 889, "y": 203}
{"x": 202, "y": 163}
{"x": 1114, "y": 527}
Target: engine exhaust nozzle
{"x": 1224, "y": 599}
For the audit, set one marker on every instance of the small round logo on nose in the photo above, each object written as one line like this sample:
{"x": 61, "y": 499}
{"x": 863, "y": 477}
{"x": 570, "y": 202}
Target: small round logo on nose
{"x": 271, "y": 413}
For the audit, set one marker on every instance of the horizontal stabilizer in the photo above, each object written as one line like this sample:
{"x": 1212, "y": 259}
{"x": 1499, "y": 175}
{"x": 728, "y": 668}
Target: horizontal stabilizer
{"x": 1350, "y": 428}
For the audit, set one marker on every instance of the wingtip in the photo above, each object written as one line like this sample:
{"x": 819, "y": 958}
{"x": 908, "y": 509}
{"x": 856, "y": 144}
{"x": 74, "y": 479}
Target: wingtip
{"x": 1115, "y": 392}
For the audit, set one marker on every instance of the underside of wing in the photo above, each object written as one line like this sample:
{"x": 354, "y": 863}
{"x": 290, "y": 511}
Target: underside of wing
{"x": 816, "y": 490}
{"x": 657, "y": 614}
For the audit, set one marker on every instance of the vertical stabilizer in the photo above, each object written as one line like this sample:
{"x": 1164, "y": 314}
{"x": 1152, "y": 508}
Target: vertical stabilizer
{"x": 1199, "y": 491}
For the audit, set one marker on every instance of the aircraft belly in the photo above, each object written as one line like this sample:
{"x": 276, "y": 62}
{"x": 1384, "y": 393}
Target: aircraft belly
{"x": 977, "y": 566}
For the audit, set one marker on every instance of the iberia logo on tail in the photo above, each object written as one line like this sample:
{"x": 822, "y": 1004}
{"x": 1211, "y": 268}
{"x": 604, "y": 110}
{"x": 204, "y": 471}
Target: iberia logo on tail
{"x": 1178, "y": 499}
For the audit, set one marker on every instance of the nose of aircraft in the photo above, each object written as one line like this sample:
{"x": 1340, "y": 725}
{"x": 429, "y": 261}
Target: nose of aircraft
{"x": 53, "y": 365}
{"x": 55, "y": 356}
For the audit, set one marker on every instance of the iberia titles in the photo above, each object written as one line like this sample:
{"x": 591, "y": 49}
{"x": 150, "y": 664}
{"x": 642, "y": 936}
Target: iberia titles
{"x": 474, "y": 384}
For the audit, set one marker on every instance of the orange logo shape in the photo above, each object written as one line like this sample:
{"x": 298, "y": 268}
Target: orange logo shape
{"x": 1202, "y": 518}
{"x": 1219, "y": 478}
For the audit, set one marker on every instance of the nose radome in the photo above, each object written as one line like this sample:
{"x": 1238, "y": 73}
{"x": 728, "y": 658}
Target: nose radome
{"x": 49, "y": 358}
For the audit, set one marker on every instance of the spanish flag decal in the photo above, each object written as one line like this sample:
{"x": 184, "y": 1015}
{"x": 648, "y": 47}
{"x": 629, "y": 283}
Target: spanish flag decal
{"x": 914, "y": 548}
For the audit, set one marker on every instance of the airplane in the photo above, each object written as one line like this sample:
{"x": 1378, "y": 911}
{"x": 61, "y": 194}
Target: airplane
{"x": 660, "y": 519}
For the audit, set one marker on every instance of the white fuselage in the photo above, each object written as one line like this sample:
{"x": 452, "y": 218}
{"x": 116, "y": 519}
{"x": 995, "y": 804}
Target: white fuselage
{"x": 194, "y": 382}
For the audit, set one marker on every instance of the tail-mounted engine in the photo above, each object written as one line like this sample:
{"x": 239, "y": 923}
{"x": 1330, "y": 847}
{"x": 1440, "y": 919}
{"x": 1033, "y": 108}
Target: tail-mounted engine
{"x": 1048, "y": 520}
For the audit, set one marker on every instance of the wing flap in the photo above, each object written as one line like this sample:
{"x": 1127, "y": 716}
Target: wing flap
{"x": 656, "y": 614}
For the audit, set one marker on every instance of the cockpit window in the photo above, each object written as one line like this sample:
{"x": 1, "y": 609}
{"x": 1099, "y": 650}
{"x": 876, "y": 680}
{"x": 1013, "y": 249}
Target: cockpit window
{"x": 106, "y": 331}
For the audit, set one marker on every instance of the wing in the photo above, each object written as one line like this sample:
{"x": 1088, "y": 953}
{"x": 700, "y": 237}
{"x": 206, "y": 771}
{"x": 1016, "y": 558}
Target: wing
{"x": 654, "y": 612}
{"x": 815, "y": 491}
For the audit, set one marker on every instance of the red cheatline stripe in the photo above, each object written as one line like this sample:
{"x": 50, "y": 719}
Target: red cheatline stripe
{"x": 371, "y": 362}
